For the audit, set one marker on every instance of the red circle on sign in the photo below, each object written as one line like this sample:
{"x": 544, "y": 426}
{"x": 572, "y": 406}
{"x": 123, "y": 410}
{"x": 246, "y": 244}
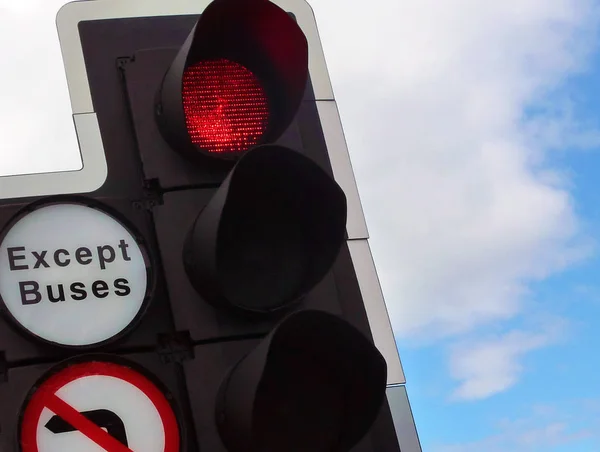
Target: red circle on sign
{"x": 45, "y": 395}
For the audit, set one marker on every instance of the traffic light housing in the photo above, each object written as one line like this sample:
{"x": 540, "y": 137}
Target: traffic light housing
{"x": 290, "y": 373}
{"x": 269, "y": 234}
{"x": 255, "y": 324}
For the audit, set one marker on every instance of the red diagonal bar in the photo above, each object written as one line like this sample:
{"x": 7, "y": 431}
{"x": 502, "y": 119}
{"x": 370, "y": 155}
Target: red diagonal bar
{"x": 84, "y": 425}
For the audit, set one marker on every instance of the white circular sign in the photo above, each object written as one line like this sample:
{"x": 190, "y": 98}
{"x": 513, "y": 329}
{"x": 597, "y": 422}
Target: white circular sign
{"x": 72, "y": 274}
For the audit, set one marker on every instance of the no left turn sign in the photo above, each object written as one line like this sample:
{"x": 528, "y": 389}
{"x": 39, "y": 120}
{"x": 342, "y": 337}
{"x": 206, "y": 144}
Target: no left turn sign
{"x": 98, "y": 406}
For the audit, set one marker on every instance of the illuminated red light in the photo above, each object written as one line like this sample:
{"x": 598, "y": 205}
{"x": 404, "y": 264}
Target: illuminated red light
{"x": 226, "y": 108}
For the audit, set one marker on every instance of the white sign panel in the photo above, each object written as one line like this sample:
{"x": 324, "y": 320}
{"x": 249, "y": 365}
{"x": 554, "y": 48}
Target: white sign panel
{"x": 72, "y": 275}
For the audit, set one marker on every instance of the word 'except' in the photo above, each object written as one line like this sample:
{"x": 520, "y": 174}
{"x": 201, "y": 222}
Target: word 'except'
{"x": 19, "y": 258}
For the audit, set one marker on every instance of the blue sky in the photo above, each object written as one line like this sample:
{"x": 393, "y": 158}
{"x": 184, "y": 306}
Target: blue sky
{"x": 554, "y": 404}
{"x": 476, "y": 147}
{"x": 474, "y": 132}
{"x": 542, "y": 391}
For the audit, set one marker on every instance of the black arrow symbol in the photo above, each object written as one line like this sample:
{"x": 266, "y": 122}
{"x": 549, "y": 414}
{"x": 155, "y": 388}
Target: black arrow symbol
{"x": 102, "y": 418}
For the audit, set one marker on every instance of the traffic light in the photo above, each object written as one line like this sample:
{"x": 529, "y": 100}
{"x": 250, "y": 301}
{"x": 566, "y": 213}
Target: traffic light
{"x": 202, "y": 299}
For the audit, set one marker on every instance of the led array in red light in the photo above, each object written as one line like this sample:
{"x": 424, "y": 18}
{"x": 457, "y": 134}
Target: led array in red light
{"x": 226, "y": 108}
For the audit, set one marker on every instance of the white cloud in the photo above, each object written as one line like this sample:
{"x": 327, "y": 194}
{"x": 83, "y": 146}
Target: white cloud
{"x": 489, "y": 366}
{"x": 463, "y": 207}
{"x": 462, "y": 210}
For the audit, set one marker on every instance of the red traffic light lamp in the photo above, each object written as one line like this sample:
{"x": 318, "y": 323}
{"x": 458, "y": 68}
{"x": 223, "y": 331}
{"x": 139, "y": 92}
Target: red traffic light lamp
{"x": 236, "y": 82}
